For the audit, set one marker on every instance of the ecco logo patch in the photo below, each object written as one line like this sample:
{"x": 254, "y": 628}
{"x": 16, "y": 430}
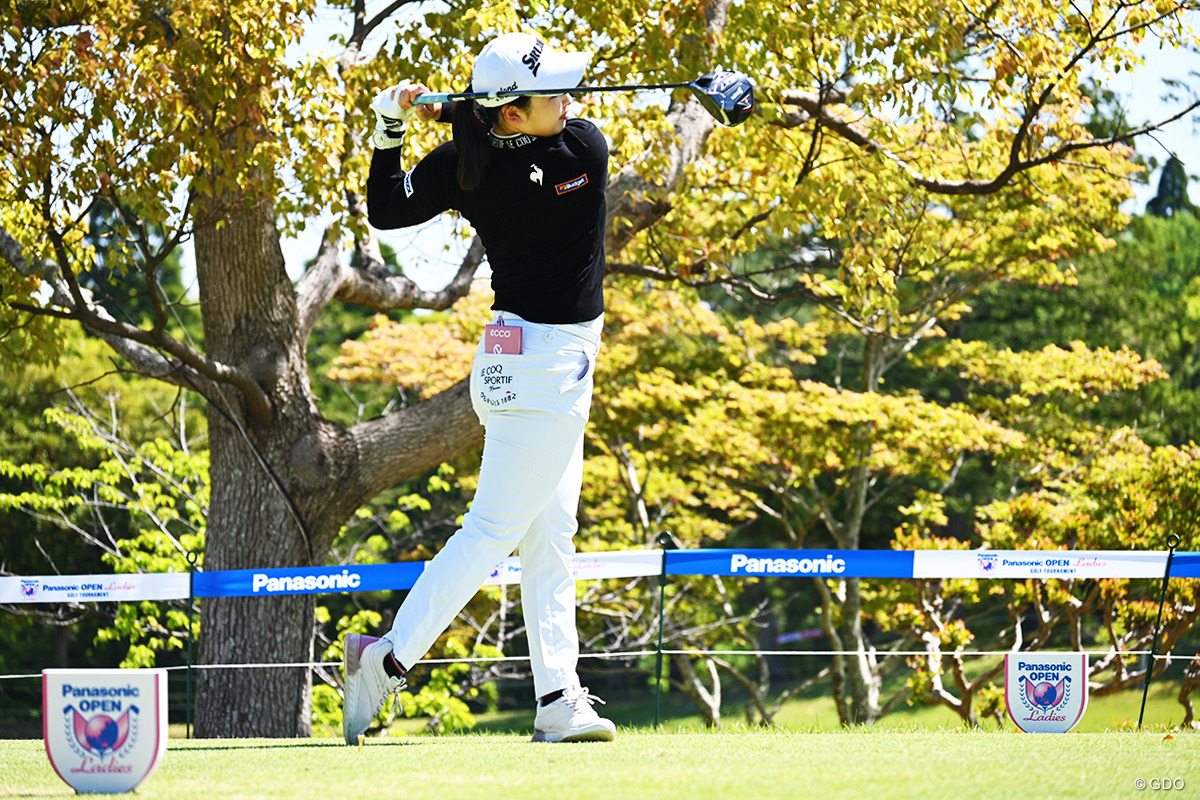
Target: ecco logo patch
{"x": 572, "y": 185}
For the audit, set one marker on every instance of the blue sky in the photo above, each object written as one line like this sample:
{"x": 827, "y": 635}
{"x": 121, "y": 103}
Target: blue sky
{"x": 1144, "y": 91}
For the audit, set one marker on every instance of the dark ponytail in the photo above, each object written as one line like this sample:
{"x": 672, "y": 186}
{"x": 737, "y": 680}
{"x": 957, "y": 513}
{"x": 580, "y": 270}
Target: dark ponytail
{"x": 472, "y": 125}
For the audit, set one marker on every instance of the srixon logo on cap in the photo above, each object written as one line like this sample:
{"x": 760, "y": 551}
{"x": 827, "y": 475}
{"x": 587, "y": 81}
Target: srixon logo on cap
{"x": 105, "y": 730}
{"x": 1046, "y": 692}
{"x": 533, "y": 59}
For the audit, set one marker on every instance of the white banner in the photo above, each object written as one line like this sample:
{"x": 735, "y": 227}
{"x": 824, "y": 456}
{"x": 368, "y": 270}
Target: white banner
{"x": 94, "y": 588}
{"x": 926, "y": 564}
{"x": 1042, "y": 564}
{"x": 589, "y": 566}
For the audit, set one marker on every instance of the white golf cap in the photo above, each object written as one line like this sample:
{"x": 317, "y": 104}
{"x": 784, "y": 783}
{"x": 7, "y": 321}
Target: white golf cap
{"x": 521, "y": 62}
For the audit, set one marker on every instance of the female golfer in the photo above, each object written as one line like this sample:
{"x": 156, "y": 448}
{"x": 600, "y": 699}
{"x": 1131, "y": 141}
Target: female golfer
{"x": 531, "y": 182}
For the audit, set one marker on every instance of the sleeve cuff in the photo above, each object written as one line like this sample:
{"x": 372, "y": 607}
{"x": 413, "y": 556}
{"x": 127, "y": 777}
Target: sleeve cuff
{"x": 385, "y": 139}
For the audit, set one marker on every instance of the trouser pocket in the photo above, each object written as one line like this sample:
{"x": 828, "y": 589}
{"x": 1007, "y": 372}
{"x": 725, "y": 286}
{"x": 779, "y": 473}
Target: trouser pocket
{"x": 496, "y": 382}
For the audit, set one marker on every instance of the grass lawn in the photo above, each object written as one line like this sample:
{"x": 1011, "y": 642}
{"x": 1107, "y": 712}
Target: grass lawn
{"x": 734, "y": 763}
{"x": 814, "y": 712}
{"x": 916, "y": 752}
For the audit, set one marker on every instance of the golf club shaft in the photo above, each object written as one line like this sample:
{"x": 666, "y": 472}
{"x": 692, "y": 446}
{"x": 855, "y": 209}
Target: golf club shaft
{"x": 426, "y": 99}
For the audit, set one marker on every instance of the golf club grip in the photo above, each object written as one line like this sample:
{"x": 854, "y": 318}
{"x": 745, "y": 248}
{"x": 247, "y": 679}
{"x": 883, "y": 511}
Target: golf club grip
{"x": 430, "y": 98}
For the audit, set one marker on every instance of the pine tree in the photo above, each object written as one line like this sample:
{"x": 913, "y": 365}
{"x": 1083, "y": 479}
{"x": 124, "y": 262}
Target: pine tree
{"x": 1172, "y": 191}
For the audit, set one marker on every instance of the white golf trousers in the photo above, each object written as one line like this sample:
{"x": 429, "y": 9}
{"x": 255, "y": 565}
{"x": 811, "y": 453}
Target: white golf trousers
{"x": 534, "y": 407}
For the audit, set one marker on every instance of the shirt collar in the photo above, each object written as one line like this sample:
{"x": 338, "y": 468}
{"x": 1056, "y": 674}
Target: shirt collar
{"x": 513, "y": 141}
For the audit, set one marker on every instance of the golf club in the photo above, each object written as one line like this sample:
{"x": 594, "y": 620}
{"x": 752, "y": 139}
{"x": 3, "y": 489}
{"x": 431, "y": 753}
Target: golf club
{"x": 727, "y": 95}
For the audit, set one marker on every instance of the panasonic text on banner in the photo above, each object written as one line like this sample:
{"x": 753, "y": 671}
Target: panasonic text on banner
{"x": 105, "y": 730}
{"x": 790, "y": 563}
{"x": 343, "y": 581}
{"x": 822, "y": 565}
{"x": 1046, "y": 692}
{"x": 307, "y": 580}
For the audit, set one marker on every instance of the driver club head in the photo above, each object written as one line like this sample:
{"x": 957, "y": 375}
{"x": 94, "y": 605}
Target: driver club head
{"x": 727, "y": 95}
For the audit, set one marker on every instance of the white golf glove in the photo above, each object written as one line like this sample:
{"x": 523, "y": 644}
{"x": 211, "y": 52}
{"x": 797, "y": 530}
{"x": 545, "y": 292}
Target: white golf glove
{"x": 390, "y": 118}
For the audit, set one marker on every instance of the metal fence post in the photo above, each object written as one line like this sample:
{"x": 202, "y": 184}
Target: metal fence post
{"x": 1172, "y": 543}
{"x": 667, "y": 542}
{"x": 191, "y": 559}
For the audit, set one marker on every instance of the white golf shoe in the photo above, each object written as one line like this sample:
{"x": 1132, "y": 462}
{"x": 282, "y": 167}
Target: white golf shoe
{"x": 367, "y": 683}
{"x": 571, "y": 718}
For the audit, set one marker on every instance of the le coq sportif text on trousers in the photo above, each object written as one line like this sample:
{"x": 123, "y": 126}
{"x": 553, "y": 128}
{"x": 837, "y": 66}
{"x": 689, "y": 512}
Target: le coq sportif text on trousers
{"x": 534, "y": 407}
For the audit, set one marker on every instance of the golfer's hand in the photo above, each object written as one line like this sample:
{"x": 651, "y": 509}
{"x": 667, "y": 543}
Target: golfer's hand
{"x": 394, "y": 105}
{"x": 393, "y": 109}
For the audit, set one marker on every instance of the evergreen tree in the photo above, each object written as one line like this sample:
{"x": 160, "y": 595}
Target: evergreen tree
{"x": 1143, "y": 294}
{"x": 1172, "y": 194}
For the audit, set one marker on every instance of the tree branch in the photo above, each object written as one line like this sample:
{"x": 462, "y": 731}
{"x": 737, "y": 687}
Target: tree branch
{"x": 399, "y": 291}
{"x": 318, "y": 285}
{"x": 858, "y": 136}
{"x": 634, "y": 203}
{"x": 153, "y": 352}
{"x": 10, "y": 251}
{"x": 410, "y": 441}
{"x": 363, "y": 28}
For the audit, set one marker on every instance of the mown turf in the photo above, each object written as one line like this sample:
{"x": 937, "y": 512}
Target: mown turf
{"x": 916, "y": 752}
{"x": 734, "y": 763}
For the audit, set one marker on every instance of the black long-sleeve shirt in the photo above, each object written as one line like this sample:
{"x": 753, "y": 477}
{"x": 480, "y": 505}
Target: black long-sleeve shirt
{"x": 539, "y": 210}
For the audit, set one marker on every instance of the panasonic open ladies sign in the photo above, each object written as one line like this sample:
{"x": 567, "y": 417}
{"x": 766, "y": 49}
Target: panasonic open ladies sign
{"x": 1046, "y": 692}
{"x": 105, "y": 729}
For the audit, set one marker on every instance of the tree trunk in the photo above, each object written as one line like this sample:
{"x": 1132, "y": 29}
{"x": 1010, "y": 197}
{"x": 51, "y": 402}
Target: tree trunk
{"x": 861, "y": 675}
{"x": 250, "y": 526}
{"x": 856, "y": 667}
{"x": 837, "y": 667}
{"x": 707, "y": 700}
{"x": 250, "y": 322}
{"x": 283, "y": 479}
